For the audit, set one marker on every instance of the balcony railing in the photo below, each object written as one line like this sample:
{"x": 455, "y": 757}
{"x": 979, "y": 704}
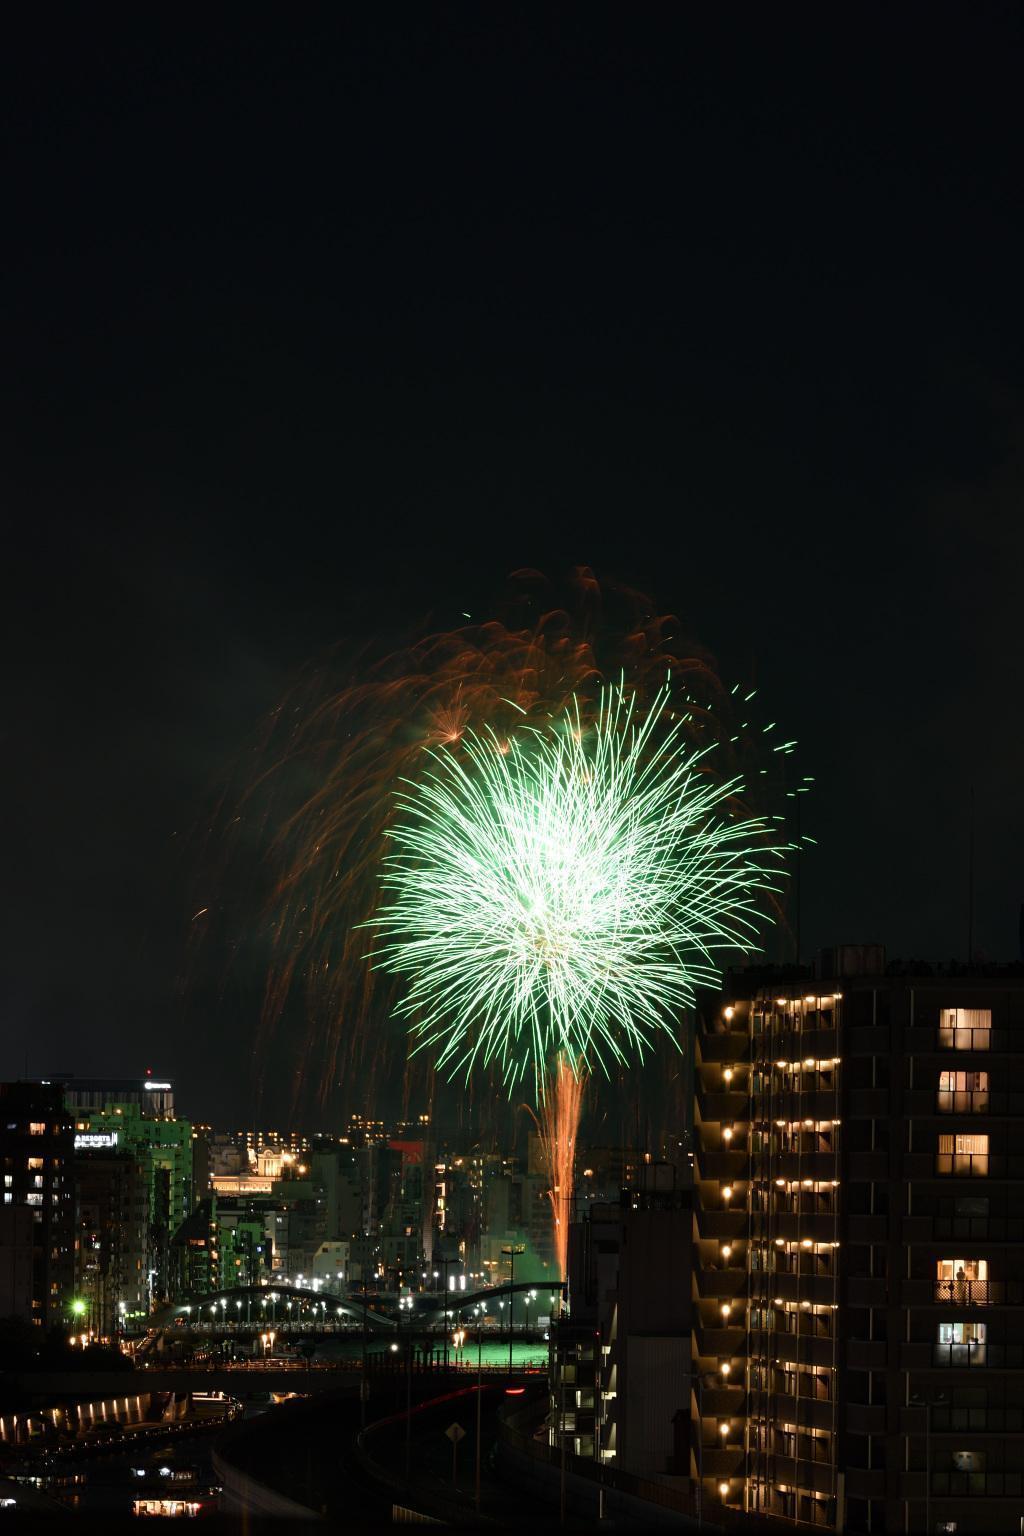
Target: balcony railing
{"x": 991, "y": 1229}
{"x": 962, "y": 1101}
{"x": 993, "y": 1485}
{"x": 963, "y": 1039}
{"x": 967, "y": 1356}
{"x": 968, "y": 1293}
{"x": 964, "y": 1165}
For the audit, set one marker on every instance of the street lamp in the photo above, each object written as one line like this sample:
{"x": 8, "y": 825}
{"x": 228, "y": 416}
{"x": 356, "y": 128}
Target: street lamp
{"x": 928, "y": 1403}
{"x": 445, "y": 1263}
{"x": 512, "y": 1249}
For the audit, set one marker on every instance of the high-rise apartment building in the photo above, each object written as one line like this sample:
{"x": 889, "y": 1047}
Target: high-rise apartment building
{"x": 859, "y": 1171}
{"x": 36, "y": 1163}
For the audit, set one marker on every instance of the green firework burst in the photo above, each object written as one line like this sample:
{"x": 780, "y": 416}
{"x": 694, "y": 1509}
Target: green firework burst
{"x": 564, "y": 892}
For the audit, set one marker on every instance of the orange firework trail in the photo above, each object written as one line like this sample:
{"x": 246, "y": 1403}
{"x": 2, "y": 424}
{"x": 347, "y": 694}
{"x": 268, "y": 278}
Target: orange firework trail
{"x": 558, "y": 1124}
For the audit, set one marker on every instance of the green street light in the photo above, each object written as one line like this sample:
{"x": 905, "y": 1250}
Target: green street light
{"x": 79, "y": 1308}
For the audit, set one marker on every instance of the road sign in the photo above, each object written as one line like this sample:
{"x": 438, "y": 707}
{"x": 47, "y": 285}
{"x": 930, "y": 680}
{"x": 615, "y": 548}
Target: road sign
{"x": 455, "y": 1433}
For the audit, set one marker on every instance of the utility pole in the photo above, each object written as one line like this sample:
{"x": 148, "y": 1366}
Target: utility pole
{"x": 561, "y": 1428}
{"x": 364, "y": 1385}
{"x": 408, "y": 1409}
{"x": 512, "y": 1249}
{"x": 479, "y": 1401}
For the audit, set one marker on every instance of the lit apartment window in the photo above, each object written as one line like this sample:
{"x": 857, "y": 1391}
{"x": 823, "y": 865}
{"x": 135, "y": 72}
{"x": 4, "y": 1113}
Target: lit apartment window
{"x": 960, "y": 1344}
{"x": 33, "y": 1198}
{"x": 33, "y": 1164}
{"x": 964, "y": 1281}
{"x": 37, "y": 1128}
{"x": 965, "y": 1029}
{"x": 963, "y": 1155}
{"x": 963, "y": 1093}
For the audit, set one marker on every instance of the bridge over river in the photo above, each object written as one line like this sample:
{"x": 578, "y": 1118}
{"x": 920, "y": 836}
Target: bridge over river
{"x": 252, "y": 1310}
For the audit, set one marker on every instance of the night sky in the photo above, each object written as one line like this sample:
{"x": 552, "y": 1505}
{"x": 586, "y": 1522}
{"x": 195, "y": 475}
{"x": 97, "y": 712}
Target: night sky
{"x": 313, "y": 332}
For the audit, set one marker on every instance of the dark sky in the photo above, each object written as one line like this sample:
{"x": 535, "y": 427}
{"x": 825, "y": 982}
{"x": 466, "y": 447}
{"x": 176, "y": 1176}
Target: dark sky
{"x": 312, "y": 330}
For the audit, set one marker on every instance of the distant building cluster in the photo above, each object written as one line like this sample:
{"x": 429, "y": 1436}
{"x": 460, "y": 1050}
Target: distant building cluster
{"x": 115, "y": 1205}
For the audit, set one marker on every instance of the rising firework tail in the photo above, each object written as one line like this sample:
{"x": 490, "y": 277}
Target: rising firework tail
{"x": 558, "y": 1121}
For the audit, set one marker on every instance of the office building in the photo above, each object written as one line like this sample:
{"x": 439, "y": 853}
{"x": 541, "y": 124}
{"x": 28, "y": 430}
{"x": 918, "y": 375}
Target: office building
{"x": 151, "y": 1096}
{"x": 112, "y": 1239}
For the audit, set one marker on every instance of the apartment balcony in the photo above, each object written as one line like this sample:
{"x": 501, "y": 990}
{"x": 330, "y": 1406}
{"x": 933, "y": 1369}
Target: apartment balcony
{"x": 869, "y": 1104}
{"x": 963, "y": 1293}
{"x": 793, "y": 1348}
{"x": 868, "y": 1354}
{"x": 722, "y": 1402}
{"x": 918, "y": 1103}
{"x": 916, "y": 1356}
{"x": 720, "y": 1462}
{"x": 719, "y": 1343}
{"x": 869, "y": 1167}
{"x": 798, "y": 1045}
{"x": 868, "y": 1040}
{"x": 865, "y": 1418}
{"x": 717, "y": 1106}
{"x": 820, "y": 1289}
{"x": 807, "y": 1165}
{"x": 868, "y": 1229}
{"x": 818, "y": 1104}
{"x": 812, "y": 1476}
{"x": 973, "y": 1356}
{"x": 727, "y": 1047}
{"x": 822, "y": 1228}
{"x": 723, "y": 1222}
{"x": 724, "y": 1281}
{"x": 864, "y": 1291}
{"x": 725, "y": 1166}
{"x": 865, "y": 1483}
{"x": 786, "y": 1408}
{"x": 914, "y": 1229}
